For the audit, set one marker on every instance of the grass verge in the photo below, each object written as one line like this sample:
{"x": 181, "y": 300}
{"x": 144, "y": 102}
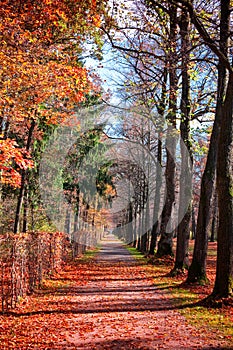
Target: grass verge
{"x": 186, "y": 298}
{"x": 89, "y": 254}
{"x": 136, "y": 254}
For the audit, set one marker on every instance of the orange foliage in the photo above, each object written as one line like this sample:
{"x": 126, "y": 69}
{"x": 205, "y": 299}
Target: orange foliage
{"x": 41, "y": 77}
{"x": 10, "y": 154}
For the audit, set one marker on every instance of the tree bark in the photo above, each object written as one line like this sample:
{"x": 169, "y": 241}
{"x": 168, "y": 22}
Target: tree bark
{"x": 166, "y": 238}
{"x": 25, "y": 210}
{"x": 214, "y": 217}
{"x": 224, "y": 276}
{"x": 154, "y": 231}
{"x": 183, "y": 230}
{"x": 197, "y": 270}
{"x": 23, "y": 180}
{"x": 193, "y": 223}
{"x": 157, "y": 199}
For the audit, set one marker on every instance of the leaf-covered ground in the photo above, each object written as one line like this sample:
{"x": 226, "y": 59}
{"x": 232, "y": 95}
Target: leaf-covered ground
{"x": 109, "y": 302}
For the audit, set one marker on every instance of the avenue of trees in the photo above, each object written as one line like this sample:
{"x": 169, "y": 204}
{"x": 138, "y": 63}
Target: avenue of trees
{"x": 172, "y": 65}
{"x": 177, "y": 59}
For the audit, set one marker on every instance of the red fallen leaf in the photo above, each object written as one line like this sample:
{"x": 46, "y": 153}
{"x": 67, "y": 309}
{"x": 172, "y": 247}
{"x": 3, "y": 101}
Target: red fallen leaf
{"x": 97, "y": 309}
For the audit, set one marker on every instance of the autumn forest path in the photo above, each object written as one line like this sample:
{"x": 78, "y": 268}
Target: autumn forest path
{"x": 109, "y": 302}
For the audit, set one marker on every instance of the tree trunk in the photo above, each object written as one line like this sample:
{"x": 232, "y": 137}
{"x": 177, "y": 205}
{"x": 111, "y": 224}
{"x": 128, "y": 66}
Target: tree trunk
{"x": 197, "y": 270}
{"x": 154, "y": 231}
{"x": 214, "y": 218}
{"x": 25, "y": 210}
{"x": 129, "y": 236}
{"x": 224, "y": 276}
{"x": 166, "y": 238}
{"x": 143, "y": 246}
{"x": 193, "y": 223}
{"x": 144, "y": 235}
{"x": 157, "y": 199}
{"x": 183, "y": 231}
{"x": 32, "y": 215}
{"x": 20, "y": 202}
{"x": 23, "y": 181}
{"x": 139, "y": 243}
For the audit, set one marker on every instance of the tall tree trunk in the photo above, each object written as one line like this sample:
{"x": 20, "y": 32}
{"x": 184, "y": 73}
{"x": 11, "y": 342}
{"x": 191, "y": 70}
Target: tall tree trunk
{"x": 139, "y": 242}
{"x": 166, "y": 238}
{"x": 144, "y": 235}
{"x": 154, "y": 231}
{"x": 214, "y": 218}
{"x": 135, "y": 226}
{"x": 32, "y": 215}
{"x": 197, "y": 270}
{"x": 23, "y": 180}
{"x": 130, "y": 222}
{"x": 25, "y": 210}
{"x": 193, "y": 223}
{"x": 224, "y": 276}
{"x": 183, "y": 231}
{"x": 157, "y": 199}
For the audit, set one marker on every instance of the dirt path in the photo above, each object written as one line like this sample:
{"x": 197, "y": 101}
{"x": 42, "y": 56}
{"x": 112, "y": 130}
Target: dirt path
{"x": 111, "y": 305}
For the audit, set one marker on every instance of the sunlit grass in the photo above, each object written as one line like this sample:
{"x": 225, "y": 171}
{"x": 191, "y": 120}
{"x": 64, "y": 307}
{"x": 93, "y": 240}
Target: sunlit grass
{"x": 88, "y": 255}
{"x": 186, "y": 301}
{"x": 136, "y": 254}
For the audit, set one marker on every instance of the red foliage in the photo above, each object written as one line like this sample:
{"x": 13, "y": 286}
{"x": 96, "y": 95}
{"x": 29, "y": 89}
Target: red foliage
{"x": 12, "y": 159}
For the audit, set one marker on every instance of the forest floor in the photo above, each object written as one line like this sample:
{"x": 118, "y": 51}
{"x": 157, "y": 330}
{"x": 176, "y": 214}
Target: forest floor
{"x": 113, "y": 300}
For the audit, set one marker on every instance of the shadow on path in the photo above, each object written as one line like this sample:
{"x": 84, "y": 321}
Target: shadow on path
{"x": 114, "y": 306}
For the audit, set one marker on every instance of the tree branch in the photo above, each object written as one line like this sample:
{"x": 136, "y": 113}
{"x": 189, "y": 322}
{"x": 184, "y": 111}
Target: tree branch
{"x": 201, "y": 30}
